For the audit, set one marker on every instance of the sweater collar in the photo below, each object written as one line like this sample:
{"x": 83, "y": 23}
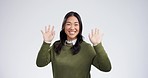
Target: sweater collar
{"x": 71, "y": 41}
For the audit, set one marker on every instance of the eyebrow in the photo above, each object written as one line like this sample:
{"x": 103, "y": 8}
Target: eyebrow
{"x": 70, "y": 22}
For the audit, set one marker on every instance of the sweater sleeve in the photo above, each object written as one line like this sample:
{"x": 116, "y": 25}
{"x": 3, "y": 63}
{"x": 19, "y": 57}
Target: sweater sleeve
{"x": 101, "y": 60}
{"x": 43, "y": 57}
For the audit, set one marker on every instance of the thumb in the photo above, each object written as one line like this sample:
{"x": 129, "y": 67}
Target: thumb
{"x": 42, "y": 32}
{"x": 89, "y": 35}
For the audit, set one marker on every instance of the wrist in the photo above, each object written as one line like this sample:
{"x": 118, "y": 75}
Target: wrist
{"x": 47, "y": 42}
{"x": 95, "y": 44}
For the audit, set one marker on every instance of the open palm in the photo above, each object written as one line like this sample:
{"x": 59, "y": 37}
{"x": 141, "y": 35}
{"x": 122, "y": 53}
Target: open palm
{"x": 49, "y": 34}
{"x": 95, "y": 36}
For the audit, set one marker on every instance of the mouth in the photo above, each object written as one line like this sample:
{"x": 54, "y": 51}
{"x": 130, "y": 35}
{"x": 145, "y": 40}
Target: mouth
{"x": 72, "y": 32}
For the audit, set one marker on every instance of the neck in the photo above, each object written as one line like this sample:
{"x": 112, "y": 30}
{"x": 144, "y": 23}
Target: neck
{"x": 73, "y": 41}
{"x": 68, "y": 39}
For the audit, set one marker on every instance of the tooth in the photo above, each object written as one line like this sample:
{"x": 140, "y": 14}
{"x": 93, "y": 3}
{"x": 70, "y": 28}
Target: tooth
{"x": 72, "y": 33}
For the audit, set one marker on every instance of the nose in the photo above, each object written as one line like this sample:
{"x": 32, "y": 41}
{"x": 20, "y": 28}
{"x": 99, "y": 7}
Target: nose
{"x": 72, "y": 27}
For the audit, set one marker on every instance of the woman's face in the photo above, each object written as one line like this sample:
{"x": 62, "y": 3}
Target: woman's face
{"x": 72, "y": 28}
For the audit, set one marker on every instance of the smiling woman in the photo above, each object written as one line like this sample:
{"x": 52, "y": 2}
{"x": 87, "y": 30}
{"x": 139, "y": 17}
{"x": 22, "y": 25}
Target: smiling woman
{"x": 72, "y": 61}
{"x": 72, "y": 24}
{"x": 72, "y": 28}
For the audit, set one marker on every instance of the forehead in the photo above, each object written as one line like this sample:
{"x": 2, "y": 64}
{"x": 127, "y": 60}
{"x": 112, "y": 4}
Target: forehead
{"x": 72, "y": 19}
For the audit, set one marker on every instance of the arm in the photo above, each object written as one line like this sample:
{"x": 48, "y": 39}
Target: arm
{"x": 101, "y": 60}
{"x": 43, "y": 57}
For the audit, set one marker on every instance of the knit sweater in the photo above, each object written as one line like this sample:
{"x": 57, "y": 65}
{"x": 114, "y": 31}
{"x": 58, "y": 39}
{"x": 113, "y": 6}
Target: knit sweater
{"x": 67, "y": 65}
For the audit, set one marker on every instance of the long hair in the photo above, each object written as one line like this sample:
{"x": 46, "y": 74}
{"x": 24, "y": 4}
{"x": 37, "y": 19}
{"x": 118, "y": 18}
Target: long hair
{"x": 59, "y": 44}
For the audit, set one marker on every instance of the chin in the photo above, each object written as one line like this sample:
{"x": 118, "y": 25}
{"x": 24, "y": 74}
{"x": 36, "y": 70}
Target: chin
{"x": 72, "y": 37}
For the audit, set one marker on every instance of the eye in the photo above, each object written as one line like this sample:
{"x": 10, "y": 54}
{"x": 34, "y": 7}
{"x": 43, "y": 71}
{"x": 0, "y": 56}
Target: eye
{"x": 76, "y": 24}
{"x": 67, "y": 24}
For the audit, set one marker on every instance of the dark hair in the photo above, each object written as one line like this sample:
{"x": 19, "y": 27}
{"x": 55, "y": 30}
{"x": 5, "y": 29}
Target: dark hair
{"x": 59, "y": 44}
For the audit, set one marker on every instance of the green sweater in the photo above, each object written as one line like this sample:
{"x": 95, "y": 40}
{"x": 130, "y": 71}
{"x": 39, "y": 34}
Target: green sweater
{"x": 67, "y": 65}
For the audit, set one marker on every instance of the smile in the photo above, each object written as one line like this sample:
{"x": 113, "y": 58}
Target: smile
{"x": 72, "y": 32}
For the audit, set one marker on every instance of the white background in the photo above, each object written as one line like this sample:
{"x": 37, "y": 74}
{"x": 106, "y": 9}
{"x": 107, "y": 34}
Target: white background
{"x": 124, "y": 23}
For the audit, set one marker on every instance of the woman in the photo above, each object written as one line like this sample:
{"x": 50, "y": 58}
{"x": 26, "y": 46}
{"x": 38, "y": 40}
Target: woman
{"x": 71, "y": 57}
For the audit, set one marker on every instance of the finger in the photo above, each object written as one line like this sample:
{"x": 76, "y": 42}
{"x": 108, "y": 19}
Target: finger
{"x": 48, "y": 27}
{"x": 42, "y": 32}
{"x": 53, "y": 33}
{"x": 45, "y": 28}
{"x": 89, "y": 35}
{"x": 92, "y": 32}
{"x": 101, "y": 33}
{"x": 52, "y": 29}
{"x": 100, "y": 30}
{"x": 95, "y": 31}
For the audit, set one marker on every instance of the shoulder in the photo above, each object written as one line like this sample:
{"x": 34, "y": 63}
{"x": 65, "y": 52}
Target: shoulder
{"x": 87, "y": 48}
{"x": 57, "y": 42}
{"x": 86, "y": 45}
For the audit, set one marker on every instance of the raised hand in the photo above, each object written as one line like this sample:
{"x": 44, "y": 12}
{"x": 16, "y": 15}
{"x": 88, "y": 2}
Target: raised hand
{"x": 49, "y": 34}
{"x": 95, "y": 36}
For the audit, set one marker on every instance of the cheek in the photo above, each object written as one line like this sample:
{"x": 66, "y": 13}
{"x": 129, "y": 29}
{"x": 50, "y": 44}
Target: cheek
{"x": 78, "y": 28}
{"x": 66, "y": 29}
